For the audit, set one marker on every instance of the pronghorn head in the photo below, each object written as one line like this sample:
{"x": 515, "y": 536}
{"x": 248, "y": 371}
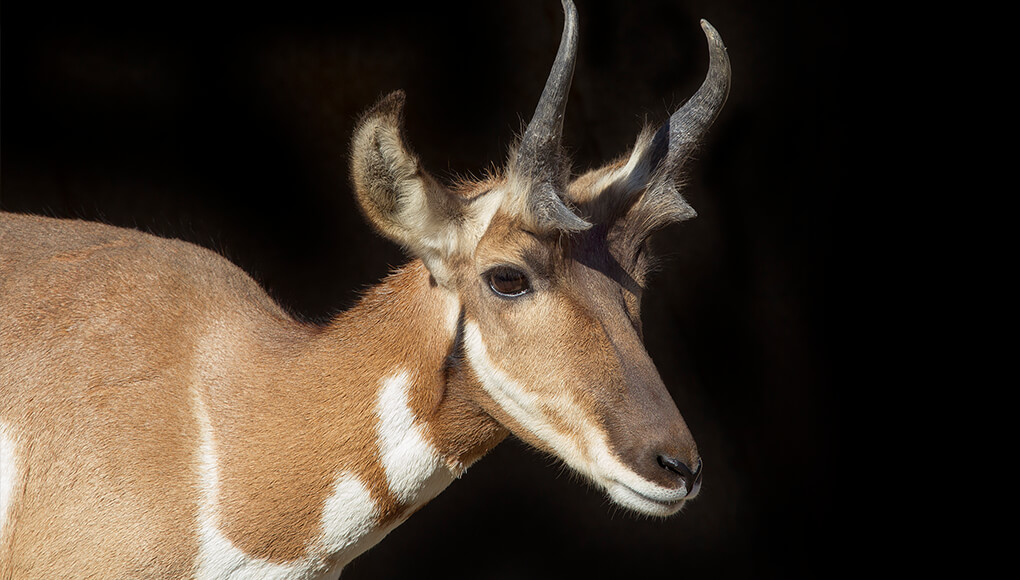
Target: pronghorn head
{"x": 549, "y": 272}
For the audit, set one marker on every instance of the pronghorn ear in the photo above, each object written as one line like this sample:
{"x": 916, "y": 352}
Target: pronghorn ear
{"x": 406, "y": 204}
{"x": 652, "y": 177}
{"x": 634, "y": 189}
{"x": 648, "y": 182}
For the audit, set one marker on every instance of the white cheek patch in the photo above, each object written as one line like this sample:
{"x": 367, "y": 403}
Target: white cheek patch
{"x": 408, "y": 458}
{"x": 8, "y": 474}
{"x": 525, "y": 406}
{"x": 586, "y": 449}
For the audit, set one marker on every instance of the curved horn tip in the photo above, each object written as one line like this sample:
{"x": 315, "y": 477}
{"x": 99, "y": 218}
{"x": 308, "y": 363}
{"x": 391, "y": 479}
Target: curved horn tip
{"x": 714, "y": 38}
{"x": 708, "y": 28}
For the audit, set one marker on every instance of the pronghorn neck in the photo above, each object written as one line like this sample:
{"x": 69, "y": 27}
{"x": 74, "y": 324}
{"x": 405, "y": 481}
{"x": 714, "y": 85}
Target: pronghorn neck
{"x": 409, "y": 326}
{"x": 368, "y": 418}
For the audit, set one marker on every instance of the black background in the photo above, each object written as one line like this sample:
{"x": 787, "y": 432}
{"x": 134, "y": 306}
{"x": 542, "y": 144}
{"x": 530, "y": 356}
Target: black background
{"x": 228, "y": 126}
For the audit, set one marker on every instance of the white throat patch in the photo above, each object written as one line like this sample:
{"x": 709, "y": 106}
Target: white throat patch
{"x": 408, "y": 458}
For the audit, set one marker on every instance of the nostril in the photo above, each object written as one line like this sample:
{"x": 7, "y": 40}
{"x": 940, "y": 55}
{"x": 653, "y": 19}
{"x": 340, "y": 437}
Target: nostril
{"x": 690, "y": 478}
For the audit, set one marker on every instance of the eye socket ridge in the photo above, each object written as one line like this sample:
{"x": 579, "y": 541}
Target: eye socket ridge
{"x": 508, "y": 281}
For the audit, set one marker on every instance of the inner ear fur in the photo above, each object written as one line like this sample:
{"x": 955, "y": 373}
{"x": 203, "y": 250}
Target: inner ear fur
{"x": 636, "y": 188}
{"x": 399, "y": 198}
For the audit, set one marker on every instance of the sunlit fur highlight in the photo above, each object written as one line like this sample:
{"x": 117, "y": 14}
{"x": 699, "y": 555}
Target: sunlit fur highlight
{"x": 162, "y": 416}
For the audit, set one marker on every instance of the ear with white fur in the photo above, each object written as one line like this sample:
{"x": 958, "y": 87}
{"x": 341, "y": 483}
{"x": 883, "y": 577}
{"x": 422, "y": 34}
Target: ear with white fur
{"x": 406, "y": 204}
{"x": 650, "y": 178}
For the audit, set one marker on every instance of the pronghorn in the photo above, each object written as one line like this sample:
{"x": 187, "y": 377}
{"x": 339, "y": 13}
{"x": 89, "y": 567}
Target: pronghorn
{"x": 162, "y": 417}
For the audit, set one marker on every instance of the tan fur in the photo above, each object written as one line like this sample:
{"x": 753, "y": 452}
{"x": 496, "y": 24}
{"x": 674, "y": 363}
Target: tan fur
{"x": 79, "y": 375}
{"x": 113, "y": 334}
{"x": 117, "y": 337}
{"x": 160, "y": 407}
{"x": 598, "y": 324}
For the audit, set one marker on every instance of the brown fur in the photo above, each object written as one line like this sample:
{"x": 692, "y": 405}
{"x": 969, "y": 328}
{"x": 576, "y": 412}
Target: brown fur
{"x": 96, "y": 394}
{"x": 126, "y": 356}
{"x": 113, "y": 334}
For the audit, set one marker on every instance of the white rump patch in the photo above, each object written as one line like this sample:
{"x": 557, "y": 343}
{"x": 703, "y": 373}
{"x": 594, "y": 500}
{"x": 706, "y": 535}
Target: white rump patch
{"x": 408, "y": 458}
{"x": 589, "y": 454}
{"x": 8, "y": 474}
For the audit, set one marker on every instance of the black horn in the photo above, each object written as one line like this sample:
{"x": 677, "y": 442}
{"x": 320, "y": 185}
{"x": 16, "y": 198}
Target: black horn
{"x": 687, "y": 127}
{"x": 539, "y": 160}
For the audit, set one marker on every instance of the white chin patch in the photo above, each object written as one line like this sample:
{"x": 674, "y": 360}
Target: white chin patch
{"x": 631, "y": 499}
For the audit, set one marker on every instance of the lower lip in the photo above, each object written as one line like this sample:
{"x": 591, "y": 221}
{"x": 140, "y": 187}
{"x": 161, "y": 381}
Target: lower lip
{"x": 665, "y": 504}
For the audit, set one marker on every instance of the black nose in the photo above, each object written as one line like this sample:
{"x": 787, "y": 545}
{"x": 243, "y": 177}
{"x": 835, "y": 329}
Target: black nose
{"x": 691, "y": 478}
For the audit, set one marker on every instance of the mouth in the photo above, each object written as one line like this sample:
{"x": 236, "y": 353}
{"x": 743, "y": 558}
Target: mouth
{"x": 631, "y": 498}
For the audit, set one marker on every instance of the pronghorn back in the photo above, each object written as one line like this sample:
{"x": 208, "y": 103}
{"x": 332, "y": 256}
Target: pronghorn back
{"x": 162, "y": 416}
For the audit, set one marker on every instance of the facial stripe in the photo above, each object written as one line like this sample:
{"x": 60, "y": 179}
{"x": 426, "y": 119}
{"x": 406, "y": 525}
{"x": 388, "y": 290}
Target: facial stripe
{"x": 525, "y": 407}
{"x": 407, "y": 457}
{"x": 586, "y": 449}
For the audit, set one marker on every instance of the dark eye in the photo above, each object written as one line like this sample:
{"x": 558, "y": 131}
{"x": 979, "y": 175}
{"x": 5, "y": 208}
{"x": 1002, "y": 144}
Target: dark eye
{"x": 508, "y": 282}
